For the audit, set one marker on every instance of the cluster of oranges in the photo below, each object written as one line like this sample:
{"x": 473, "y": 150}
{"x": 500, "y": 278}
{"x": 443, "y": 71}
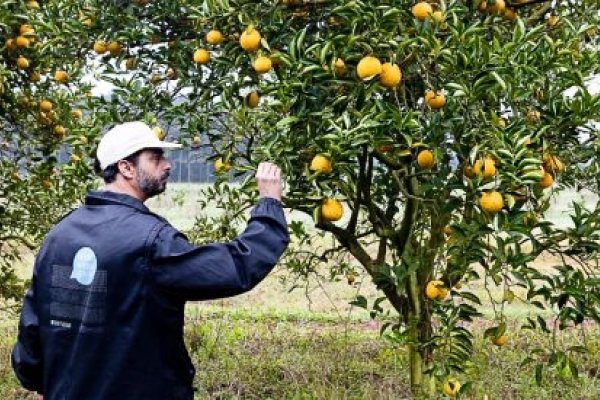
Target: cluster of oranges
{"x": 250, "y": 41}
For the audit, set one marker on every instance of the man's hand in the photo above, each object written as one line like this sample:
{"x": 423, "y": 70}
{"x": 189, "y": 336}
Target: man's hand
{"x": 268, "y": 179}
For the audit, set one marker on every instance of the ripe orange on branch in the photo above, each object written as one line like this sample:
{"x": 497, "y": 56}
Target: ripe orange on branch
{"x": 485, "y": 168}
{"x": 100, "y": 47}
{"x": 46, "y": 106}
{"x": 214, "y": 37}
{"x": 22, "y": 41}
{"x": 22, "y": 63}
{"x": 321, "y": 163}
{"x": 368, "y": 67}
{"x": 61, "y": 76}
{"x": 250, "y": 39}
{"x": 262, "y": 64}
{"x": 500, "y": 340}
{"x": 435, "y": 100}
{"x": 221, "y": 166}
{"x": 451, "y": 387}
{"x": 553, "y": 164}
{"x": 390, "y": 75}
{"x": 546, "y": 181}
{"x": 422, "y": 10}
{"x": 339, "y": 67}
{"x": 114, "y": 48}
{"x": 201, "y": 56}
{"x": 331, "y": 210}
{"x": 252, "y": 99}
{"x": 425, "y": 159}
{"x": 491, "y": 202}
{"x": 436, "y": 290}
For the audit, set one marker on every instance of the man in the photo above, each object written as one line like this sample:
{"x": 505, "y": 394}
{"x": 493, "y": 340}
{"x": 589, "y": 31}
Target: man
{"x": 103, "y": 318}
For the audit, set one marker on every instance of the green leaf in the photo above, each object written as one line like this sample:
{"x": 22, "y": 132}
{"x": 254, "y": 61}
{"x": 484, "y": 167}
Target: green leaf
{"x": 538, "y": 374}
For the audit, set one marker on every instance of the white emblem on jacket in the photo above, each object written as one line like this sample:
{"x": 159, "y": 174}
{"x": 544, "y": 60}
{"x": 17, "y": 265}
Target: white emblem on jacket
{"x": 84, "y": 266}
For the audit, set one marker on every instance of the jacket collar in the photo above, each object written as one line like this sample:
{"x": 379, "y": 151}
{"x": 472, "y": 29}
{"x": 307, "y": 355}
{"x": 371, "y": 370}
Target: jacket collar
{"x": 105, "y": 197}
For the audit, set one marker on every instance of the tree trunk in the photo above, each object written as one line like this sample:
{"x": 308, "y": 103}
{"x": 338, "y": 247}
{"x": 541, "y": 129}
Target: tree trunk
{"x": 419, "y": 331}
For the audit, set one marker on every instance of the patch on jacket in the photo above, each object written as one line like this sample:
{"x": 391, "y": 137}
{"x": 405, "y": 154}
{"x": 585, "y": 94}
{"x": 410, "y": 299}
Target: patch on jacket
{"x": 78, "y": 292}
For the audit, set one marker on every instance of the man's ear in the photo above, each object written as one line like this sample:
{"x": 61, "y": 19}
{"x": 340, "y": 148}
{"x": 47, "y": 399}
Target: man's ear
{"x": 126, "y": 169}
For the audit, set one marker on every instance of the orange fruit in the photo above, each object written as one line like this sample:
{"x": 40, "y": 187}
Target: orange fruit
{"x": 498, "y": 7}
{"x": 61, "y": 76}
{"x": 331, "y": 210}
{"x": 552, "y": 163}
{"x": 214, "y": 37}
{"x": 339, "y": 67}
{"x": 35, "y": 76}
{"x": 11, "y": 44}
{"x": 252, "y": 99}
{"x": 114, "y": 48}
{"x": 491, "y": 202}
{"x": 468, "y": 171}
{"x": 546, "y": 181}
{"x": 321, "y": 163}
{"x": 368, "y": 67}
{"x": 510, "y": 14}
{"x": 436, "y": 290}
{"x": 451, "y": 387}
{"x": 201, "y": 56}
{"x": 262, "y": 64}
{"x": 159, "y": 132}
{"x": 552, "y": 20}
{"x": 425, "y": 159}
{"x": 250, "y": 39}
{"x": 26, "y": 29}
{"x": 221, "y": 166}
{"x": 100, "y": 47}
{"x": 32, "y": 5}
{"x": 438, "y": 17}
{"x": 22, "y": 63}
{"x": 500, "y": 340}
{"x": 435, "y": 100}
{"x": 485, "y": 168}
{"x": 59, "y": 130}
{"x": 77, "y": 113}
{"x": 22, "y": 41}
{"x": 390, "y": 75}
{"x": 422, "y": 10}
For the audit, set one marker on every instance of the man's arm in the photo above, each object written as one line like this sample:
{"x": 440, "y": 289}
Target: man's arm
{"x": 27, "y": 352}
{"x": 225, "y": 269}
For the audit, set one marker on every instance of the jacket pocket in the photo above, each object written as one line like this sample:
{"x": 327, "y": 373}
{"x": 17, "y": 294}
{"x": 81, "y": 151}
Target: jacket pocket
{"x": 74, "y": 302}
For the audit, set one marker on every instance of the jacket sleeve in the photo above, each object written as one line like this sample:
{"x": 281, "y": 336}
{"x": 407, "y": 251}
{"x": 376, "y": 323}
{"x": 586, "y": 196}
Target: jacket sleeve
{"x": 219, "y": 270}
{"x": 27, "y": 352}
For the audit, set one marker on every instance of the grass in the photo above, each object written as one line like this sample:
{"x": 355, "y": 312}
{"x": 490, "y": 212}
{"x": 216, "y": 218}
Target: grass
{"x": 246, "y": 355}
{"x": 311, "y": 344}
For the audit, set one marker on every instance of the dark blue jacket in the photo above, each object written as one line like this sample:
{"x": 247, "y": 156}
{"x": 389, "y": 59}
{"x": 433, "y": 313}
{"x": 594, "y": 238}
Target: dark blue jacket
{"x": 103, "y": 318}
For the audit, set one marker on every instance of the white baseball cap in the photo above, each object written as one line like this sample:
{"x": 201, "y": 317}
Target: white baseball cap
{"x": 125, "y": 139}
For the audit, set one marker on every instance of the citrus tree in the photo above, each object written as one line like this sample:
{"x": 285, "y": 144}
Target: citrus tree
{"x": 40, "y": 89}
{"x": 428, "y": 139}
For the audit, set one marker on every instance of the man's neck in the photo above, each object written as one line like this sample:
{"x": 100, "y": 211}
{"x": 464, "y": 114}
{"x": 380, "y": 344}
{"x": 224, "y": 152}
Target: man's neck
{"x": 123, "y": 188}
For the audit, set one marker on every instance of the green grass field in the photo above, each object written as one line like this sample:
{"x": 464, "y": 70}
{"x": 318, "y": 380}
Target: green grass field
{"x": 311, "y": 344}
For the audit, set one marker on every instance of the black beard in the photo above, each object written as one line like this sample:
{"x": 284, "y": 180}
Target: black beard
{"x": 150, "y": 185}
